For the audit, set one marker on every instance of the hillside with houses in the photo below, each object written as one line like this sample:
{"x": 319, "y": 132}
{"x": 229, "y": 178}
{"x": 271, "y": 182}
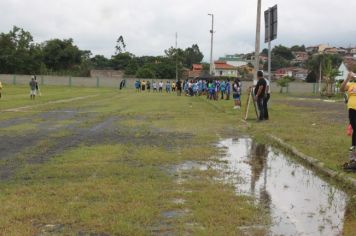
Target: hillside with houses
{"x": 299, "y": 63}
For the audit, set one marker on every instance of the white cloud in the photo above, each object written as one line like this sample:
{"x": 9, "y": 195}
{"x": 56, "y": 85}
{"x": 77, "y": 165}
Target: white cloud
{"x": 149, "y": 26}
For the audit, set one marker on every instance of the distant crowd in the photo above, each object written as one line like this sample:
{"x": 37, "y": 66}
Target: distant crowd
{"x": 212, "y": 89}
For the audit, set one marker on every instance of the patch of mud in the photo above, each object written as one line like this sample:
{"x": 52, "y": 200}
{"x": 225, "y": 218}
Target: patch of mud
{"x": 103, "y": 130}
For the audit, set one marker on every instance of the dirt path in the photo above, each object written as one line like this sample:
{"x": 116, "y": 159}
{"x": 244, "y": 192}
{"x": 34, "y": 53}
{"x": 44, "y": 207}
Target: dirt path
{"x": 21, "y": 109}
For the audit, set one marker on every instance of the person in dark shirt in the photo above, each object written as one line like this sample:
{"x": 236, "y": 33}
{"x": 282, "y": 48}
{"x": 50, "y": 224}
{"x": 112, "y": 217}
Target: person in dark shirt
{"x": 260, "y": 92}
{"x": 33, "y": 85}
{"x": 179, "y": 87}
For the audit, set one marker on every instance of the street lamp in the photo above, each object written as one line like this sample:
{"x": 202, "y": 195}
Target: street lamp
{"x": 258, "y": 32}
{"x": 212, "y": 42}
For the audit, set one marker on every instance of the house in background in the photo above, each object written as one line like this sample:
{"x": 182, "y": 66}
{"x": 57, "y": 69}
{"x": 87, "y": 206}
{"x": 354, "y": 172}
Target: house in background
{"x": 196, "y": 71}
{"x": 316, "y": 49}
{"x": 300, "y": 57}
{"x": 294, "y": 72}
{"x": 224, "y": 69}
{"x": 234, "y": 60}
{"x": 345, "y": 68}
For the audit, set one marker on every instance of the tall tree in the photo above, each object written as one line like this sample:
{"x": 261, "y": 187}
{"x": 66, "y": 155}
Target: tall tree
{"x": 18, "y": 52}
{"x": 120, "y": 45}
{"x": 61, "y": 54}
{"x": 192, "y": 55}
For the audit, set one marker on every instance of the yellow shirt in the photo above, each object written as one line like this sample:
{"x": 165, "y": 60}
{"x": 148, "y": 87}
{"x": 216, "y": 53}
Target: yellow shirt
{"x": 352, "y": 95}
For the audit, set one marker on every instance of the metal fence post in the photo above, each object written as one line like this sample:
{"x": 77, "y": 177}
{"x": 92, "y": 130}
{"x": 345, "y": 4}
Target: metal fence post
{"x": 70, "y": 81}
{"x": 42, "y": 80}
{"x": 97, "y": 82}
{"x": 14, "y": 80}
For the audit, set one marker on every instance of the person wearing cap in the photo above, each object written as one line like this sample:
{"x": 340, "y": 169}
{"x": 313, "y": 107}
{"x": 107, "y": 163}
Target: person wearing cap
{"x": 260, "y": 92}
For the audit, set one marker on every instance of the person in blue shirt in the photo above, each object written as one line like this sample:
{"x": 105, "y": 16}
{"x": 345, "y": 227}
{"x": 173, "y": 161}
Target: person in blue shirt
{"x": 222, "y": 89}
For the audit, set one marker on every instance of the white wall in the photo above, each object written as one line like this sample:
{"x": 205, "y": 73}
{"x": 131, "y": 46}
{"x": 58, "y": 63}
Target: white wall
{"x": 343, "y": 73}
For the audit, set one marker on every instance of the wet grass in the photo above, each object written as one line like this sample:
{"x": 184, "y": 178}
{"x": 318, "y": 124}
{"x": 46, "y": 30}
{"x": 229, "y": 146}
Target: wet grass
{"x": 121, "y": 181}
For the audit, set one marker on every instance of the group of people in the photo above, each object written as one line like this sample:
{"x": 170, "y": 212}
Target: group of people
{"x": 213, "y": 89}
{"x": 158, "y": 86}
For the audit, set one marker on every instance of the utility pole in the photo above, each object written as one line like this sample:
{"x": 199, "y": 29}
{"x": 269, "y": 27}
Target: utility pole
{"x": 176, "y": 56}
{"x": 212, "y": 43}
{"x": 258, "y": 33}
{"x": 269, "y": 50}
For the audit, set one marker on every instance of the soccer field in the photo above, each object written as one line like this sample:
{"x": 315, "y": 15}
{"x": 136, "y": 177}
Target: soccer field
{"x": 102, "y": 161}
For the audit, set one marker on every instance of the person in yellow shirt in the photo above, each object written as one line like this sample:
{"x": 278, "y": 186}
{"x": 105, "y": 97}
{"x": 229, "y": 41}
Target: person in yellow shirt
{"x": 349, "y": 86}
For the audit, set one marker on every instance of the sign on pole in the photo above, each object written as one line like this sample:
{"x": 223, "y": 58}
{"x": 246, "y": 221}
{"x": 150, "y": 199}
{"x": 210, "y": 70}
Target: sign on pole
{"x": 271, "y": 24}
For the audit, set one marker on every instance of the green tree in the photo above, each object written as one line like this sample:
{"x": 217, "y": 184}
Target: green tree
{"x": 297, "y": 48}
{"x": 193, "y": 55}
{"x": 121, "y": 60}
{"x": 18, "y": 52}
{"x": 330, "y": 72}
{"x": 131, "y": 68}
{"x": 60, "y": 55}
{"x": 120, "y": 45}
{"x": 100, "y": 62}
{"x": 283, "y": 52}
{"x": 284, "y": 82}
{"x": 145, "y": 73}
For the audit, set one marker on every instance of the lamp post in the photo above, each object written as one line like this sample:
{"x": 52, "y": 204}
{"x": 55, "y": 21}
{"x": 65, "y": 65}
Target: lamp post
{"x": 258, "y": 38}
{"x": 211, "y": 70}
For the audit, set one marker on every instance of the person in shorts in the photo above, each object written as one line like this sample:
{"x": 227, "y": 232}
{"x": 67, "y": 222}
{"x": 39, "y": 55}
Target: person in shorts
{"x": 32, "y": 85}
{"x": 236, "y": 94}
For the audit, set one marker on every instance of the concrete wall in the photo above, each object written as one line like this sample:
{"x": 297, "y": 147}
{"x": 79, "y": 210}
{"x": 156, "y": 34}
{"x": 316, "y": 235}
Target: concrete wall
{"x": 295, "y": 87}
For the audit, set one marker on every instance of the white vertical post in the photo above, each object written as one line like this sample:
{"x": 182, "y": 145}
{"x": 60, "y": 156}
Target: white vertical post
{"x": 212, "y": 45}
{"x": 258, "y": 38}
{"x": 176, "y": 56}
{"x": 269, "y": 49}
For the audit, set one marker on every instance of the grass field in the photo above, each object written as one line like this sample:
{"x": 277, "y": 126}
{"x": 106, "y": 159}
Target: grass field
{"x": 104, "y": 162}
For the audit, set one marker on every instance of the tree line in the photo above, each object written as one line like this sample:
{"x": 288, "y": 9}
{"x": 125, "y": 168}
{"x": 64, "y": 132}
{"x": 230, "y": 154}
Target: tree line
{"x": 19, "y": 54}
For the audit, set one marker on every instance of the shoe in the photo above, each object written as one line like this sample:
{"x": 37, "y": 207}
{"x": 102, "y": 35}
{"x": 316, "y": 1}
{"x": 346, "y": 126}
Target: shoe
{"x": 352, "y": 149}
{"x": 350, "y": 166}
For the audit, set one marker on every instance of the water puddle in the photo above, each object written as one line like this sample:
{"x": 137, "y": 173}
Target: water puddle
{"x": 300, "y": 202}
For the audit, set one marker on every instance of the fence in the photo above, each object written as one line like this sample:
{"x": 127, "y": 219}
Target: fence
{"x": 106, "y": 82}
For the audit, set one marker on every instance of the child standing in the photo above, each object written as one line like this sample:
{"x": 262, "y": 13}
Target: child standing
{"x": 236, "y": 94}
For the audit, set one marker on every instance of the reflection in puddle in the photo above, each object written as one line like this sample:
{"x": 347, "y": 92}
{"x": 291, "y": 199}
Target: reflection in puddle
{"x": 300, "y": 202}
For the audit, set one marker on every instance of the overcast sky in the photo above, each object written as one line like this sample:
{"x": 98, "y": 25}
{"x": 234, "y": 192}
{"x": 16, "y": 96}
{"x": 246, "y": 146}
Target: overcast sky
{"x": 149, "y": 26}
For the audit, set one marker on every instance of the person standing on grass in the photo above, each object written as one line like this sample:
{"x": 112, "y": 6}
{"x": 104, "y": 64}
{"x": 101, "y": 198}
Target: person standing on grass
{"x": 236, "y": 94}
{"x": 267, "y": 97}
{"x": 143, "y": 85}
{"x": 168, "y": 87}
{"x": 154, "y": 85}
{"x": 260, "y": 92}
{"x": 349, "y": 86}
{"x": 222, "y": 89}
{"x": 148, "y": 84}
{"x": 0, "y": 88}
{"x": 179, "y": 87}
{"x": 173, "y": 86}
{"x": 160, "y": 86}
{"x": 32, "y": 85}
